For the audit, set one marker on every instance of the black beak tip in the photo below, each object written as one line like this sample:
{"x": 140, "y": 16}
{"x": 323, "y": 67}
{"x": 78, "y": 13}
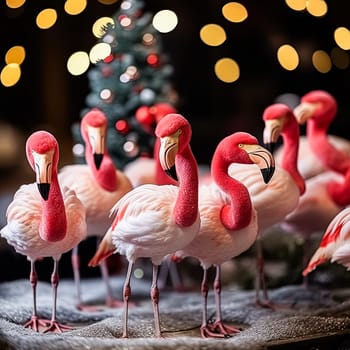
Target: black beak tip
{"x": 270, "y": 146}
{"x": 172, "y": 173}
{"x": 267, "y": 174}
{"x": 98, "y": 160}
{"x": 44, "y": 189}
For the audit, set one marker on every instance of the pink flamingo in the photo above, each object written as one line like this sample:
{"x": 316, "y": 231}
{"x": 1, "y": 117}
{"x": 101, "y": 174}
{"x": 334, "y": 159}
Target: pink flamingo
{"x": 45, "y": 224}
{"x": 329, "y": 192}
{"x": 229, "y": 223}
{"x": 280, "y": 196}
{"x": 152, "y": 221}
{"x": 334, "y": 245}
{"x": 98, "y": 184}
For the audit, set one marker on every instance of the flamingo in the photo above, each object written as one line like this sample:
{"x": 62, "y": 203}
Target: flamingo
{"x": 329, "y": 192}
{"x": 334, "y": 245}
{"x": 152, "y": 221}
{"x": 229, "y": 223}
{"x": 280, "y": 196}
{"x": 42, "y": 221}
{"x": 98, "y": 185}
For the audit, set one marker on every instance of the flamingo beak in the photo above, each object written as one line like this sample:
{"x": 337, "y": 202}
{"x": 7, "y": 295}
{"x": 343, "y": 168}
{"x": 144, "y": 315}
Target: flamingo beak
{"x": 263, "y": 159}
{"x": 97, "y": 142}
{"x": 43, "y": 170}
{"x": 304, "y": 111}
{"x": 169, "y": 146}
{"x": 272, "y": 131}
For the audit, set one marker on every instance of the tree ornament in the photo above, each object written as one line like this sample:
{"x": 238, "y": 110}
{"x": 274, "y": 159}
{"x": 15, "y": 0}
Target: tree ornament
{"x": 147, "y": 96}
{"x": 161, "y": 109}
{"x": 145, "y": 116}
{"x": 122, "y": 126}
{"x": 153, "y": 60}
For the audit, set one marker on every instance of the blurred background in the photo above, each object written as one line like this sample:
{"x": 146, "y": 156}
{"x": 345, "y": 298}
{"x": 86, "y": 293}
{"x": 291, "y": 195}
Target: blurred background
{"x": 229, "y": 61}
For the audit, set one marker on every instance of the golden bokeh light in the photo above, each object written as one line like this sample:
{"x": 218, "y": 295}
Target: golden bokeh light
{"x": 234, "y": 12}
{"x": 99, "y": 52}
{"x": 16, "y": 54}
{"x": 288, "y": 57}
{"x": 212, "y": 34}
{"x": 165, "y": 21}
{"x": 227, "y": 70}
{"x": 15, "y": 4}
{"x": 317, "y": 8}
{"x": 46, "y": 18}
{"x": 340, "y": 58}
{"x": 78, "y": 63}
{"x": 10, "y": 74}
{"x": 74, "y": 7}
{"x": 100, "y": 24}
{"x": 342, "y": 38}
{"x": 321, "y": 61}
{"x": 296, "y": 5}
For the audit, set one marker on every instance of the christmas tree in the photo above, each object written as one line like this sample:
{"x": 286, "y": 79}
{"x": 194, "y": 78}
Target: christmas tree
{"x": 132, "y": 85}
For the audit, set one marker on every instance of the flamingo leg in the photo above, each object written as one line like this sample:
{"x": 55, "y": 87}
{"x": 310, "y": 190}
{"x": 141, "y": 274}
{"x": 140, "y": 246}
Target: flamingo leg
{"x": 54, "y": 325}
{"x": 110, "y": 300}
{"x": 76, "y": 272}
{"x": 204, "y": 291}
{"x": 155, "y": 300}
{"x": 34, "y": 323}
{"x": 126, "y": 297}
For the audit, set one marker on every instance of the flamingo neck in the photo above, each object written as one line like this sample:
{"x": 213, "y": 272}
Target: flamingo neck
{"x": 325, "y": 151}
{"x": 106, "y": 176}
{"x": 161, "y": 178}
{"x": 53, "y": 226}
{"x": 186, "y": 206}
{"x": 237, "y": 214}
{"x": 290, "y": 155}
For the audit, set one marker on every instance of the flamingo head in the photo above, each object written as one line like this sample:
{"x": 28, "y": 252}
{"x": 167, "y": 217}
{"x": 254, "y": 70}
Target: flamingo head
{"x": 277, "y": 118}
{"x": 42, "y": 154}
{"x": 174, "y": 133}
{"x": 94, "y": 130}
{"x": 318, "y": 105}
{"x": 242, "y": 147}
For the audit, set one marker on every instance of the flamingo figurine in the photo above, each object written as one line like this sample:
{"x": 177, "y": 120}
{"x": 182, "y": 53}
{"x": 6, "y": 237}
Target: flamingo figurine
{"x": 280, "y": 196}
{"x": 334, "y": 246}
{"x": 98, "y": 184}
{"x": 42, "y": 221}
{"x": 152, "y": 221}
{"x": 229, "y": 223}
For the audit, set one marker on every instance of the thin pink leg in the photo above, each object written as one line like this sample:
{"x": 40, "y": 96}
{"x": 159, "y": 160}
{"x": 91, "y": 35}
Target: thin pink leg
{"x": 54, "y": 325}
{"x": 76, "y": 272}
{"x": 126, "y": 297}
{"x": 155, "y": 301}
{"x": 34, "y": 323}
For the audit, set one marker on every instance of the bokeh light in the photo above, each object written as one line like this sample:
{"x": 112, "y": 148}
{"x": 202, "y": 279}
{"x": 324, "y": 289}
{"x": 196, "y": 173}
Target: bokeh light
{"x": 16, "y": 54}
{"x": 234, "y": 12}
{"x": 340, "y": 58}
{"x": 15, "y": 4}
{"x": 342, "y": 38}
{"x": 288, "y": 57}
{"x": 78, "y": 63}
{"x": 99, "y": 52}
{"x": 165, "y": 21}
{"x": 46, "y": 18}
{"x": 74, "y": 7}
{"x": 10, "y": 74}
{"x": 227, "y": 70}
{"x": 100, "y": 24}
{"x": 321, "y": 61}
{"x": 317, "y": 8}
{"x": 212, "y": 34}
{"x": 296, "y": 5}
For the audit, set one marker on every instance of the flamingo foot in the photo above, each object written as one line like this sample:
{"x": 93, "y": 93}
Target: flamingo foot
{"x": 35, "y": 323}
{"x": 56, "y": 327}
{"x": 218, "y": 330}
{"x": 265, "y": 303}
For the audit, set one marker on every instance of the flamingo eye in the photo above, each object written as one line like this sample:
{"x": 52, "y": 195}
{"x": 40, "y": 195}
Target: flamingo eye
{"x": 240, "y": 145}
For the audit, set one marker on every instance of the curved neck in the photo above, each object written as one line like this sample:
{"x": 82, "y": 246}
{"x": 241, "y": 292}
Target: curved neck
{"x": 53, "y": 225}
{"x": 106, "y": 176}
{"x": 237, "y": 214}
{"x": 290, "y": 154}
{"x": 186, "y": 206}
{"x": 331, "y": 157}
